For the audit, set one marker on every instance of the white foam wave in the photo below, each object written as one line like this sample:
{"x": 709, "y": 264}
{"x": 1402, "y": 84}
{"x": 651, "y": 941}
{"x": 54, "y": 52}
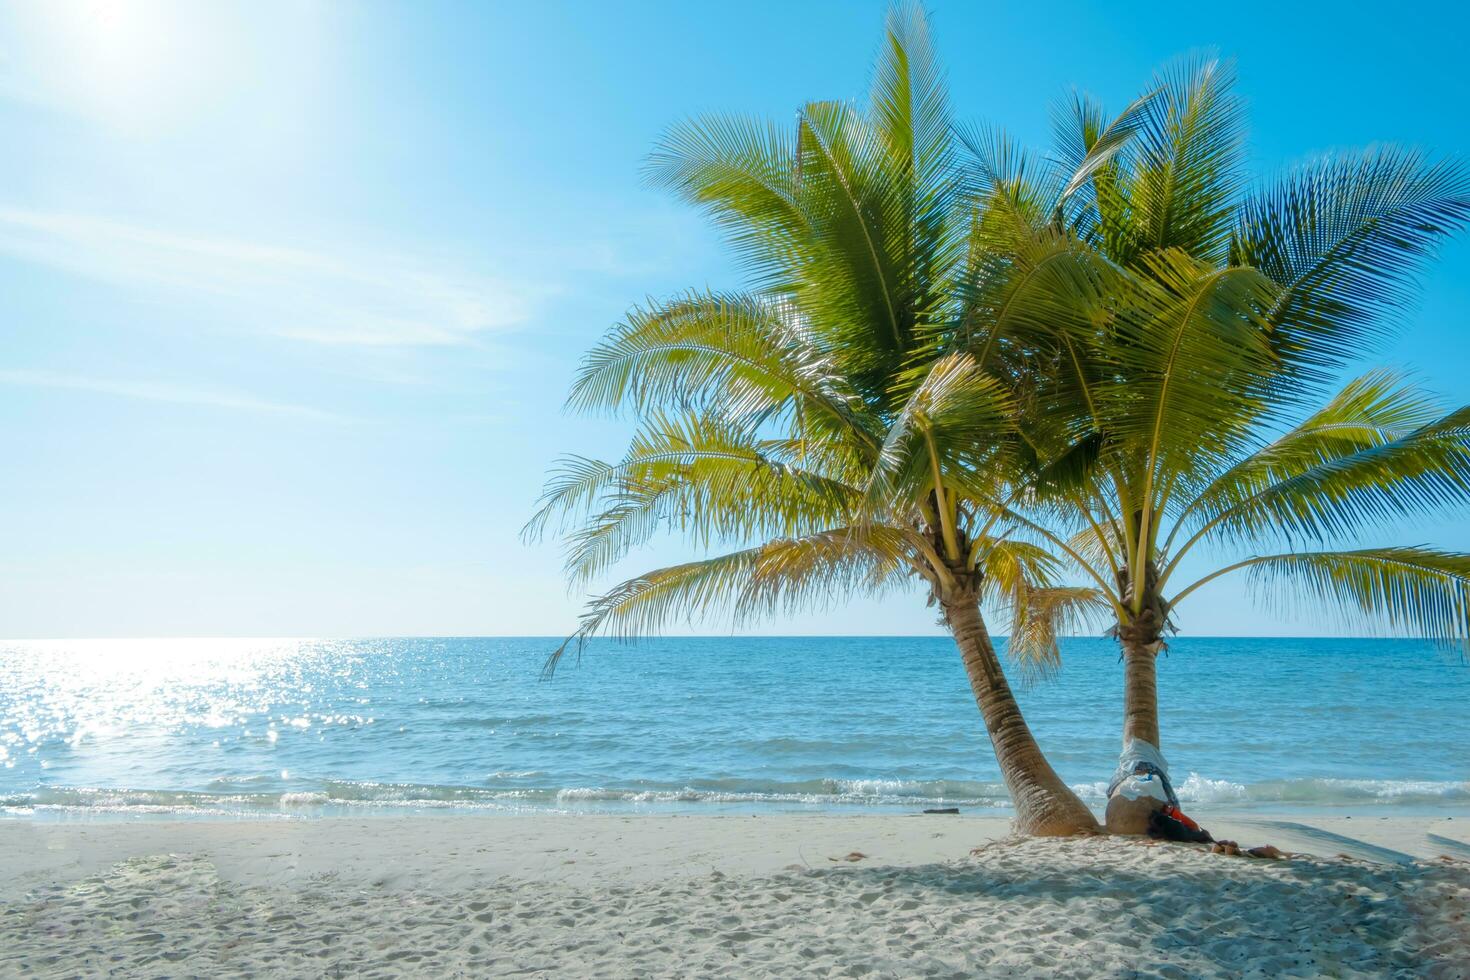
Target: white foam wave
{"x": 303, "y": 799}
{"x": 1195, "y": 789}
{"x": 1198, "y": 789}
{"x": 1388, "y": 791}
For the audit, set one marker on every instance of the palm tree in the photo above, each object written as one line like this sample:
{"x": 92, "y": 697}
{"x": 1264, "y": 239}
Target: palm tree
{"x": 1378, "y": 449}
{"x": 1225, "y": 313}
{"x": 811, "y": 422}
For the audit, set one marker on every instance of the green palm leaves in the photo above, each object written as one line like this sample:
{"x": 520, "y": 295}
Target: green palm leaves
{"x": 1223, "y": 312}
{"x": 1172, "y": 405}
{"x": 1042, "y": 380}
{"x": 762, "y": 415}
{"x": 1345, "y": 238}
{"x": 824, "y": 425}
{"x": 1417, "y": 589}
{"x": 1378, "y": 452}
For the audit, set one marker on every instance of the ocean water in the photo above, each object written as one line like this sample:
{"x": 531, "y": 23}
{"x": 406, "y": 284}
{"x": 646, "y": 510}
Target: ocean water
{"x": 294, "y": 728}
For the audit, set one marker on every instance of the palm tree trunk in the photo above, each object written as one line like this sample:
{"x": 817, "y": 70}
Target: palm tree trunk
{"x": 1045, "y": 807}
{"x": 1141, "y": 634}
{"x": 1140, "y": 691}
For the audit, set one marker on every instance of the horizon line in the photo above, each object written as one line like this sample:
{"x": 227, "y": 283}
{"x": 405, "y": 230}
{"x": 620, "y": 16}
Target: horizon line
{"x": 558, "y": 637}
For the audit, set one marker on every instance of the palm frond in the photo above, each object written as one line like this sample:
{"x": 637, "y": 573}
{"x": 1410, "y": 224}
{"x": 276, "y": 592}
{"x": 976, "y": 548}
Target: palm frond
{"x": 1101, "y": 545}
{"x": 1370, "y": 410}
{"x": 811, "y": 571}
{"x": 1041, "y": 614}
{"x": 952, "y": 421}
{"x": 1029, "y": 312}
{"x": 1347, "y": 237}
{"x": 1087, "y": 147}
{"x": 815, "y": 570}
{"x": 1185, "y": 174}
{"x": 1417, "y": 590}
{"x": 1376, "y": 452}
{"x": 910, "y": 100}
{"x": 645, "y": 605}
{"x": 739, "y": 353}
{"x": 1027, "y": 284}
{"x": 742, "y": 171}
{"x": 1094, "y": 200}
{"x": 997, "y": 170}
{"x": 1195, "y": 362}
{"x": 854, "y": 284}
{"x": 1008, "y": 565}
{"x": 703, "y": 477}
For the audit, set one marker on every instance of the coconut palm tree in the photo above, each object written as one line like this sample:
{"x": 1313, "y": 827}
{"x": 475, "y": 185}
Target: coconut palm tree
{"x": 1200, "y": 400}
{"x": 809, "y": 423}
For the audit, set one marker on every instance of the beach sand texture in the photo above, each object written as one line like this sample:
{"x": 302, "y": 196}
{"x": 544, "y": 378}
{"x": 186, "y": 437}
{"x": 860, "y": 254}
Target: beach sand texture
{"x": 770, "y": 895}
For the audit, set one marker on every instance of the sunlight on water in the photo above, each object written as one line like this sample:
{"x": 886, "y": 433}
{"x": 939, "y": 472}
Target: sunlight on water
{"x": 93, "y": 689}
{"x": 107, "y": 707}
{"x": 293, "y": 727}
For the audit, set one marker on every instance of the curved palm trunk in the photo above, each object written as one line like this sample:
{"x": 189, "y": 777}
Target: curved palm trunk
{"x": 1044, "y": 805}
{"x": 1140, "y": 691}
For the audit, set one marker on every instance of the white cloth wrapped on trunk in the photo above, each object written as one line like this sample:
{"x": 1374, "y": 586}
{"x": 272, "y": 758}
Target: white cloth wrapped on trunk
{"x": 1141, "y": 772}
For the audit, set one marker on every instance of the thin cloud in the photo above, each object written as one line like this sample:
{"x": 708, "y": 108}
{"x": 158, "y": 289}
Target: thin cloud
{"x": 342, "y": 297}
{"x": 163, "y": 392}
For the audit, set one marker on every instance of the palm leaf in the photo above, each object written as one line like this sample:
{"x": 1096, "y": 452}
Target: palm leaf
{"x": 910, "y": 103}
{"x": 953, "y": 420}
{"x": 1185, "y": 161}
{"x": 1039, "y": 615}
{"x": 854, "y": 289}
{"x": 701, "y": 477}
{"x": 812, "y": 571}
{"x": 1086, "y": 147}
{"x": 1374, "y": 453}
{"x": 1094, "y": 199}
{"x": 737, "y": 354}
{"x": 741, "y": 171}
{"x": 1346, "y": 237}
{"x": 1418, "y": 590}
{"x": 1195, "y": 362}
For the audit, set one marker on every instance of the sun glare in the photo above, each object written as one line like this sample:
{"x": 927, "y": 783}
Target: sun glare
{"x": 107, "y": 56}
{"x": 115, "y": 37}
{"x": 129, "y": 64}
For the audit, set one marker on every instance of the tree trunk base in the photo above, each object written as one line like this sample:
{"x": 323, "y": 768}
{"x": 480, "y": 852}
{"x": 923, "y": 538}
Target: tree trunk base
{"x": 1068, "y": 823}
{"x": 1130, "y": 817}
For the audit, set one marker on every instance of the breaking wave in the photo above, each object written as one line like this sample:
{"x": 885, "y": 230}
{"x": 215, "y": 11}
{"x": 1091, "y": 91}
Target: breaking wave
{"x": 810, "y": 794}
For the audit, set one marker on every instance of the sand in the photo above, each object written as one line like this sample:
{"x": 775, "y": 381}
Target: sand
{"x": 742, "y": 896}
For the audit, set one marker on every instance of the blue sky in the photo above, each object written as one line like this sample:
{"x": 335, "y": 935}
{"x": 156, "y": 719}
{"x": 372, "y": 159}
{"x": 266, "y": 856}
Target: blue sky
{"x": 290, "y": 294}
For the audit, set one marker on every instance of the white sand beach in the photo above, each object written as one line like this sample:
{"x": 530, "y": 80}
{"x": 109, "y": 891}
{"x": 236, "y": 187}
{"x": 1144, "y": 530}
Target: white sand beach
{"x": 767, "y": 895}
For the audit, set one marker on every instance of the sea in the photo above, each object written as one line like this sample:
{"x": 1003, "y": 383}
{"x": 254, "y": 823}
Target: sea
{"x": 291, "y": 729}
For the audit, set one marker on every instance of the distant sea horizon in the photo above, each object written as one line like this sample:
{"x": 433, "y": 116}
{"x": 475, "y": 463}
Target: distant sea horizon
{"x": 558, "y": 637}
{"x": 290, "y": 728}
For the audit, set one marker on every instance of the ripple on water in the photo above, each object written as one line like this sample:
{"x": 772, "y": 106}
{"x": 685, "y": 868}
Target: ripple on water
{"x": 298, "y": 727}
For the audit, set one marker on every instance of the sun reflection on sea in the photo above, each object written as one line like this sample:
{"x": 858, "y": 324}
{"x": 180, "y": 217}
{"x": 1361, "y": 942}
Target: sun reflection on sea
{"x": 68, "y": 702}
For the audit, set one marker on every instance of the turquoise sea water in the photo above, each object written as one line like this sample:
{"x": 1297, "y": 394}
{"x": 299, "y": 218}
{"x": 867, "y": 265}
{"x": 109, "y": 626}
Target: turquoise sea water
{"x": 298, "y": 728}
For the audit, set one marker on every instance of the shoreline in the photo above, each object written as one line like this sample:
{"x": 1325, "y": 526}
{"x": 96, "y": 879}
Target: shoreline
{"x": 1324, "y": 797}
{"x": 748, "y": 895}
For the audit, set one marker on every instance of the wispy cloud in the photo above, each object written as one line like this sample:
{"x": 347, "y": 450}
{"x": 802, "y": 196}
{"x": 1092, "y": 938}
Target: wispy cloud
{"x": 345, "y": 296}
{"x": 164, "y": 392}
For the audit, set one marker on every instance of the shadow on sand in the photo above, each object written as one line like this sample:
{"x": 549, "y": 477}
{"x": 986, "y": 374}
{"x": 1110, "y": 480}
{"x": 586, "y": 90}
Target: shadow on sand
{"x": 1209, "y": 914}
